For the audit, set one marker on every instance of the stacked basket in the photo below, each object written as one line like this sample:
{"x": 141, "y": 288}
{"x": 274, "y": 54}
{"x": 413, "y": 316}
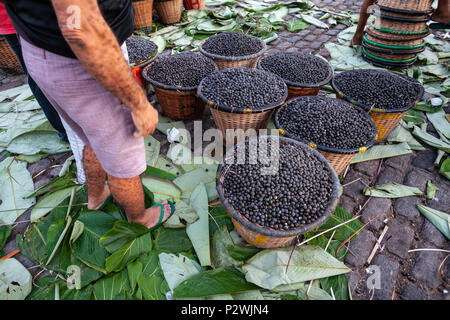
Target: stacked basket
{"x": 396, "y": 37}
{"x": 8, "y": 60}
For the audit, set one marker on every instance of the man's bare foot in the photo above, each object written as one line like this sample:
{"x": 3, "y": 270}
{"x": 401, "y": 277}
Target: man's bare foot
{"x": 94, "y": 203}
{"x": 151, "y": 215}
{"x": 356, "y": 40}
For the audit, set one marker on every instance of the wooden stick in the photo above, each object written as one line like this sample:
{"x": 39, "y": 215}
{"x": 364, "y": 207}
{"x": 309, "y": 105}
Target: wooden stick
{"x": 377, "y": 245}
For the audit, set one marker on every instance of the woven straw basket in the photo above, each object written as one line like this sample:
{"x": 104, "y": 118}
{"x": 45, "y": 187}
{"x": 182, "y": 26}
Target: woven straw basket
{"x": 143, "y": 11}
{"x": 194, "y": 4}
{"x": 300, "y": 89}
{"x": 339, "y": 159}
{"x": 226, "y": 117}
{"x": 178, "y": 103}
{"x": 249, "y": 61}
{"x": 265, "y": 237}
{"x": 8, "y": 60}
{"x": 385, "y": 120}
{"x": 406, "y": 6}
{"x": 398, "y": 26}
{"x": 389, "y": 36}
{"x": 169, "y": 11}
{"x": 394, "y": 45}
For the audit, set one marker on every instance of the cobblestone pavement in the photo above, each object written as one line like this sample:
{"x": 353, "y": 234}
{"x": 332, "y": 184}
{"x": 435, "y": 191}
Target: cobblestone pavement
{"x": 419, "y": 275}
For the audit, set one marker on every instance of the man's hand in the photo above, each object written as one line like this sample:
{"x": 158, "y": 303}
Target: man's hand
{"x": 145, "y": 119}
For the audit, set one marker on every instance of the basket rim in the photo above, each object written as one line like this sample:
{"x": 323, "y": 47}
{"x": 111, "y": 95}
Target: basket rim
{"x": 376, "y": 110}
{"x": 387, "y": 46}
{"x": 402, "y": 19}
{"x": 411, "y": 37}
{"x": 401, "y": 32}
{"x": 321, "y": 146}
{"x": 229, "y": 109}
{"x": 388, "y": 60}
{"x": 266, "y": 231}
{"x": 232, "y": 58}
{"x": 366, "y": 44}
{"x": 169, "y": 87}
{"x": 297, "y": 84}
{"x": 396, "y": 10}
{"x": 385, "y": 65}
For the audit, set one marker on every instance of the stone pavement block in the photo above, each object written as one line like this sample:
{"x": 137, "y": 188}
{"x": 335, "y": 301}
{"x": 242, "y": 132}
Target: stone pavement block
{"x": 369, "y": 168}
{"x": 418, "y": 178}
{"x": 399, "y": 238}
{"x": 294, "y": 39}
{"x": 426, "y": 266}
{"x": 283, "y": 45}
{"x": 407, "y": 207}
{"x": 301, "y": 44}
{"x": 292, "y": 49}
{"x": 399, "y": 162}
{"x": 37, "y": 167}
{"x": 41, "y": 181}
{"x": 425, "y": 159}
{"x": 388, "y": 276}
{"x": 431, "y": 234}
{"x": 323, "y": 38}
{"x": 389, "y": 174}
{"x": 442, "y": 198}
{"x": 353, "y": 279}
{"x": 347, "y": 204}
{"x": 303, "y": 33}
{"x": 310, "y": 37}
{"x": 332, "y": 32}
{"x": 413, "y": 292}
{"x": 360, "y": 248}
{"x": 354, "y": 183}
{"x": 375, "y": 206}
{"x": 316, "y": 45}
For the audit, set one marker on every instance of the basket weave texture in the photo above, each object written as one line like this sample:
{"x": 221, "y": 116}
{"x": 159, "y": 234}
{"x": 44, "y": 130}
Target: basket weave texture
{"x": 143, "y": 11}
{"x": 8, "y": 60}
{"x": 394, "y": 44}
{"x": 395, "y": 37}
{"x": 265, "y": 237}
{"x": 169, "y": 11}
{"x": 249, "y": 61}
{"x": 385, "y": 123}
{"x": 406, "y": 6}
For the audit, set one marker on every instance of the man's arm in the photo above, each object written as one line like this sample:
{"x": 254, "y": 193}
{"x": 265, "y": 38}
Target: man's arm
{"x": 96, "y": 47}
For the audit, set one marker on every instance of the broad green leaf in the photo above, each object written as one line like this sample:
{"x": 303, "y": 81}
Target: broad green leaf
{"x": 296, "y": 25}
{"x": 130, "y": 251}
{"x": 120, "y": 234}
{"x": 440, "y": 122}
{"x": 87, "y": 247}
{"x": 49, "y": 201}
{"x": 177, "y": 268}
{"x": 5, "y": 231}
{"x": 438, "y": 218}
{"x": 300, "y": 290}
{"x": 400, "y": 134}
{"x": 59, "y": 183}
{"x": 382, "y": 151}
{"x": 183, "y": 214}
{"x": 339, "y": 285}
{"x": 55, "y": 234}
{"x": 15, "y": 280}
{"x": 134, "y": 270}
{"x": 198, "y": 231}
{"x": 172, "y": 240}
{"x": 151, "y": 287}
{"x": 15, "y": 184}
{"x": 248, "y": 295}
{"x": 220, "y": 256}
{"x": 445, "y": 168}
{"x": 213, "y": 282}
{"x": 218, "y": 216}
{"x": 338, "y": 217}
{"x": 431, "y": 190}
{"x": 38, "y": 142}
{"x": 431, "y": 140}
{"x": 167, "y": 165}
{"x": 190, "y": 180}
{"x": 109, "y": 287}
{"x": 391, "y": 190}
{"x": 414, "y": 116}
{"x": 158, "y": 173}
{"x": 152, "y": 147}
{"x": 268, "y": 268}
{"x": 314, "y": 21}
{"x": 77, "y": 231}
{"x": 162, "y": 189}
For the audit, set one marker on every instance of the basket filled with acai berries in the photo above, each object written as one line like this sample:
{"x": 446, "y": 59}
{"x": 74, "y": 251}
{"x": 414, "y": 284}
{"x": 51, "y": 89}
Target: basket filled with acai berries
{"x": 140, "y": 51}
{"x": 385, "y": 95}
{"x": 175, "y": 79}
{"x": 233, "y": 49}
{"x": 272, "y": 199}
{"x": 242, "y": 98}
{"x": 336, "y": 128}
{"x": 303, "y": 73}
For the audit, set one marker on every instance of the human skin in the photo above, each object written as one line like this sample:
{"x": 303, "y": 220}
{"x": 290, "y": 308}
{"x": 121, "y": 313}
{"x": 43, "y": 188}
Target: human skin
{"x": 363, "y": 16}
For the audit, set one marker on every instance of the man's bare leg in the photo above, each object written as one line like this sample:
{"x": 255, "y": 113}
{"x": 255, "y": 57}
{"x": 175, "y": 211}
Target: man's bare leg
{"x": 98, "y": 192}
{"x": 442, "y": 13}
{"x": 363, "y": 16}
{"x": 128, "y": 192}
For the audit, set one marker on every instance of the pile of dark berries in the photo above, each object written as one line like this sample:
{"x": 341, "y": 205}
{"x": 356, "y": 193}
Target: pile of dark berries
{"x": 328, "y": 122}
{"x": 299, "y": 68}
{"x": 297, "y": 195}
{"x": 140, "y": 49}
{"x": 232, "y": 44}
{"x": 181, "y": 70}
{"x": 378, "y": 88}
{"x": 243, "y": 88}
